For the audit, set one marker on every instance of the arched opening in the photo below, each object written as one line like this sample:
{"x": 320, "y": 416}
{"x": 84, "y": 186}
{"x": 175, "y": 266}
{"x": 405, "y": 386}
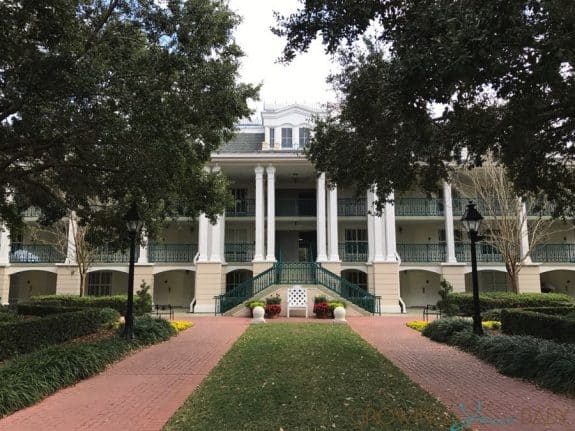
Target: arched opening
{"x": 489, "y": 281}
{"x": 106, "y": 283}
{"x": 558, "y": 281}
{"x": 237, "y": 277}
{"x": 25, "y": 284}
{"x": 419, "y": 288}
{"x": 355, "y": 276}
{"x": 176, "y": 288}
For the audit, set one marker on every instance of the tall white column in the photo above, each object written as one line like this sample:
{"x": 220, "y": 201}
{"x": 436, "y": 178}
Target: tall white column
{"x": 4, "y": 244}
{"x": 378, "y": 233}
{"x": 203, "y": 237}
{"x": 524, "y": 245}
{"x": 215, "y": 234}
{"x": 143, "y": 257}
{"x": 259, "y": 249}
{"x": 271, "y": 246}
{"x": 370, "y": 226}
{"x": 390, "y": 247}
{"x": 449, "y": 229}
{"x": 332, "y": 240}
{"x": 71, "y": 239}
{"x": 320, "y": 219}
{"x": 222, "y": 223}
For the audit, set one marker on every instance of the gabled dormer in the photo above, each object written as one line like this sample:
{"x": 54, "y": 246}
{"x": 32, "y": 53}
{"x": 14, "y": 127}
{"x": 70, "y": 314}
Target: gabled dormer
{"x": 287, "y": 127}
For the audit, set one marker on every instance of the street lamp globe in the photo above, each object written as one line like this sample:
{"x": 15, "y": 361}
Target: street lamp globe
{"x": 133, "y": 220}
{"x": 471, "y": 219}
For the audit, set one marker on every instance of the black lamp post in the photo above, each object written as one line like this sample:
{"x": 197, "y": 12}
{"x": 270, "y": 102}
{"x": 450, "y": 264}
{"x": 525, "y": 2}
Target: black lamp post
{"x": 134, "y": 224}
{"x": 472, "y": 221}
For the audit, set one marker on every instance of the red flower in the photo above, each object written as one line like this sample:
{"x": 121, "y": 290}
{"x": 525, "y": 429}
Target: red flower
{"x": 273, "y": 309}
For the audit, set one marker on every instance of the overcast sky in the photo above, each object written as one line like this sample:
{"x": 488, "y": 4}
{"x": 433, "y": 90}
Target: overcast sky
{"x": 301, "y": 81}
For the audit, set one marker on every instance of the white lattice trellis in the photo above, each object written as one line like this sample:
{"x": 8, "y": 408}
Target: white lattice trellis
{"x": 297, "y": 299}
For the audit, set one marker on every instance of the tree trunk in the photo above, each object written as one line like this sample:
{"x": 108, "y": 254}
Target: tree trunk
{"x": 514, "y": 282}
{"x": 82, "y": 283}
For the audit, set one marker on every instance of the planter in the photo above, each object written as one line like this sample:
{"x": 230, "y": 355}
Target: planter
{"x": 339, "y": 315}
{"x": 273, "y": 310}
{"x": 258, "y": 315}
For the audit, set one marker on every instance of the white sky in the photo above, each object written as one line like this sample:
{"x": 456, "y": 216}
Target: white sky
{"x": 301, "y": 81}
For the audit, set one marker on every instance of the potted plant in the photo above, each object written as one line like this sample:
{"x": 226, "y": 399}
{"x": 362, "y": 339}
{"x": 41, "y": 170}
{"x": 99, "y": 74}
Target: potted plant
{"x": 273, "y": 306}
{"x": 337, "y": 309}
{"x": 321, "y": 307}
{"x": 253, "y": 304}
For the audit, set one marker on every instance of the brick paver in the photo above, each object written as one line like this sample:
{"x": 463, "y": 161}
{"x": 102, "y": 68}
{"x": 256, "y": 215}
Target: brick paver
{"x": 455, "y": 377}
{"x": 139, "y": 393}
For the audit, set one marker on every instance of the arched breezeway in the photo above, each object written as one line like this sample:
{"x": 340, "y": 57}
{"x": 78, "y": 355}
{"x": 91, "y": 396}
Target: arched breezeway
{"x": 237, "y": 277}
{"x": 25, "y": 284}
{"x": 175, "y": 287}
{"x": 558, "y": 281}
{"x": 489, "y": 281}
{"x": 419, "y": 288}
{"x": 355, "y": 276}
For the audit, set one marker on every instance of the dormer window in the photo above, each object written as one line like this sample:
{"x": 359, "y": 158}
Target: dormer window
{"x": 287, "y": 139}
{"x": 272, "y": 137}
{"x": 304, "y": 135}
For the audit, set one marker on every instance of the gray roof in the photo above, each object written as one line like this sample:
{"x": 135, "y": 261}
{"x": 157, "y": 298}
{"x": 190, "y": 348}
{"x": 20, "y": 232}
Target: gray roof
{"x": 243, "y": 143}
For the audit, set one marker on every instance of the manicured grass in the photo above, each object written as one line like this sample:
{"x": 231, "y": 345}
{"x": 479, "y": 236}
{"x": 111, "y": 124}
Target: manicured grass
{"x": 308, "y": 377}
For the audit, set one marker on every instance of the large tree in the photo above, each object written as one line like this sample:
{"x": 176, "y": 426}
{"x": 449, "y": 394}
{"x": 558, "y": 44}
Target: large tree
{"x": 108, "y": 102}
{"x": 429, "y": 84}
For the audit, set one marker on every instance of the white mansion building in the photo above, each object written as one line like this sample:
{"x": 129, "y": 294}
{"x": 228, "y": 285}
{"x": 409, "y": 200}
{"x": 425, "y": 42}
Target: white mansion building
{"x": 287, "y": 227}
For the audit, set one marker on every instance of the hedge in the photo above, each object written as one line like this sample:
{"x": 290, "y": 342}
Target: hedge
{"x": 538, "y": 324}
{"x": 42, "y": 310}
{"x": 495, "y": 300}
{"x": 549, "y": 364}
{"x": 29, "y": 378}
{"x": 29, "y": 335}
{"x": 117, "y": 302}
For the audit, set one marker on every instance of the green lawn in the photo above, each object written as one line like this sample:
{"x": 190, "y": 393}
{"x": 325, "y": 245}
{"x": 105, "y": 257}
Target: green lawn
{"x": 308, "y": 377}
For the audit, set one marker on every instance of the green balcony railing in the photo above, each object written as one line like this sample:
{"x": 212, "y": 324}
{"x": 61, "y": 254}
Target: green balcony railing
{"x": 295, "y": 207}
{"x": 418, "y": 207}
{"x": 239, "y": 251}
{"x": 485, "y": 252}
{"x": 540, "y": 208}
{"x": 172, "y": 252}
{"x": 459, "y": 205}
{"x": 349, "y": 207}
{"x": 245, "y": 290}
{"x": 35, "y": 253}
{"x": 554, "y": 253}
{"x": 243, "y": 208}
{"x": 31, "y": 212}
{"x": 353, "y": 251}
{"x": 105, "y": 254}
{"x": 434, "y": 252}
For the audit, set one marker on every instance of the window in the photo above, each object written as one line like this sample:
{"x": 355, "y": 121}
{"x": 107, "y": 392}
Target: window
{"x": 356, "y": 277}
{"x": 240, "y": 206}
{"x": 304, "y": 135}
{"x": 287, "y": 137}
{"x": 355, "y": 235}
{"x": 355, "y": 245}
{"x": 272, "y": 137}
{"x": 100, "y": 283}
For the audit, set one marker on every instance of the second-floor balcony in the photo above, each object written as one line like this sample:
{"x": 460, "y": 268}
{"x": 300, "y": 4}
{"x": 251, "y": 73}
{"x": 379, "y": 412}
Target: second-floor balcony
{"x": 422, "y": 253}
{"x": 353, "y": 251}
{"x": 561, "y": 253}
{"x": 418, "y": 207}
{"x": 242, "y": 208}
{"x": 486, "y": 253}
{"x": 296, "y": 207}
{"x": 35, "y": 253}
{"x": 351, "y": 207}
{"x": 172, "y": 253}
{"x": 106, "y": 254}
{"x": 239, "y": 251}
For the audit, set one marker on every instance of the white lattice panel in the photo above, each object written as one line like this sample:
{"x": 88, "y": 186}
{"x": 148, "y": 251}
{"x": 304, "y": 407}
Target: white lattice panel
{"x": 297, "y": 297}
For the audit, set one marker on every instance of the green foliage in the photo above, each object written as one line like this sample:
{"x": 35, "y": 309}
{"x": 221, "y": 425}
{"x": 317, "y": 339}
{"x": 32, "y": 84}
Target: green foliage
{"x": 255, "y": 303}
{"x": 43, "y": 310}
{"x": 538, "y": 324}
{"x": 276, "y": 299}
{"x": 442, "y": 329}
{"x": 447, "y": 308}
{"x": 149, "y": 330}
{"x": 8, "y": 316}
{"x": 493, "y": 314}
{"x": 116, "y": 102}
{"x": 29, "y": 378}
{"x": 498, "y": 300}
{"x": 143, "y": 300}
{"x": 117, "y": 302}
{"x": 466, "y": 55}
{"x": 319, "y": 299}
{"x": 29, "y": 335}
{"x": 334, "y": 304}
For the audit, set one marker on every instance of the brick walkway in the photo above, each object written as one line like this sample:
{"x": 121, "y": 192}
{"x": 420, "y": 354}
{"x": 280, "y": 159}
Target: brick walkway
{"x": 139, "y": 393}
{"x": 455, "y": 377}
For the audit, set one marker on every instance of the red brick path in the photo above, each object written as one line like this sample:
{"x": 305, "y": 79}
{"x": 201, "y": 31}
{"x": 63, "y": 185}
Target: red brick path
{"x": 139, "y": 393}
{"x": 455, "y": 377}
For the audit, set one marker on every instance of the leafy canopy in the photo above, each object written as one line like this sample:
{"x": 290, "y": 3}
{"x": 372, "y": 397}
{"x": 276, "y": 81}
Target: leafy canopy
{"x": 109, "y": 102}
{"x": 442, "y": 82}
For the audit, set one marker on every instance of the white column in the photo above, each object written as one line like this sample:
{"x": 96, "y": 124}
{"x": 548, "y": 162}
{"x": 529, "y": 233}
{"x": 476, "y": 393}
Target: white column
{"x": 370, "y": 226}
{"x": 4, "y": 245}
{"x": 378, "y": 234}
{"x": 71, "y": 240}
{"x": 271, "y": 246}
{"x": 203, "y": 238}
{"x": 215, "y": 234}
{"x": 332, "y": 240}
{"x": 449, "y": 230}
{"x": 223, "y": 237}
{"x": 390, "y": 247}
{"x": 321, "y": 227}
{"x": 143, "y": 257}
{"x": 524, "y": 245}
{"x": 259, "y": 250}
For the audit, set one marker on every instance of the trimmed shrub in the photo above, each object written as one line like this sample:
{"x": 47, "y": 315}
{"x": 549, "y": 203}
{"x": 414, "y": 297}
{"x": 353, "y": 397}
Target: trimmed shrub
{"x": 442, "y": 329}
{"x": 538, "y": 324}
{"x": 498, "y": 300}
{"x": 8, "y": 316}
{"x": 494, "y": 314}
{"x": 150, "y": 330}
{"x": 117, "y": 302}
{"x": 44, "y": 310}
{"x": 29, "y": 335}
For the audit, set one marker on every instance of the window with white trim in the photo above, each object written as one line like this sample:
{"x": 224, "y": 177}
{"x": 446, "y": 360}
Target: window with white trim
{"x": 272, "y": 137}
{"x": 287, "y": 139}
{"x": 304, "y": 136}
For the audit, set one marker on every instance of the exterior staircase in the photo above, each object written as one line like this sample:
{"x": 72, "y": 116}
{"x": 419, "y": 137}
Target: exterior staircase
{"x": 304, "y": 273}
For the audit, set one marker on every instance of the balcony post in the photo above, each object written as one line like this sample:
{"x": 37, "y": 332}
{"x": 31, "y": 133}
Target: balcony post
{"x": 143, "y": 256}
{"x": 271, "y": 247}
{"x": 71, "y": 239}
{"x": 449, "y": 230}
{"x": 259, "y": 250}
{"x": 524, "y": 244}
{"x": 378, "y": 239}
{"x": 321, "y": 221}
{"x": 390, "y": 246}
{"x": 215, "y": 234}
{"x": 370, "y": 221}
{"x": 332, "y": 239}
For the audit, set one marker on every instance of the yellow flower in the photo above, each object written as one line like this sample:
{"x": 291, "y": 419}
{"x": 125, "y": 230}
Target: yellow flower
{"x": 418, "y": 325}
{"x": 181, "y": 325}
{"x": 491, "y": 324}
